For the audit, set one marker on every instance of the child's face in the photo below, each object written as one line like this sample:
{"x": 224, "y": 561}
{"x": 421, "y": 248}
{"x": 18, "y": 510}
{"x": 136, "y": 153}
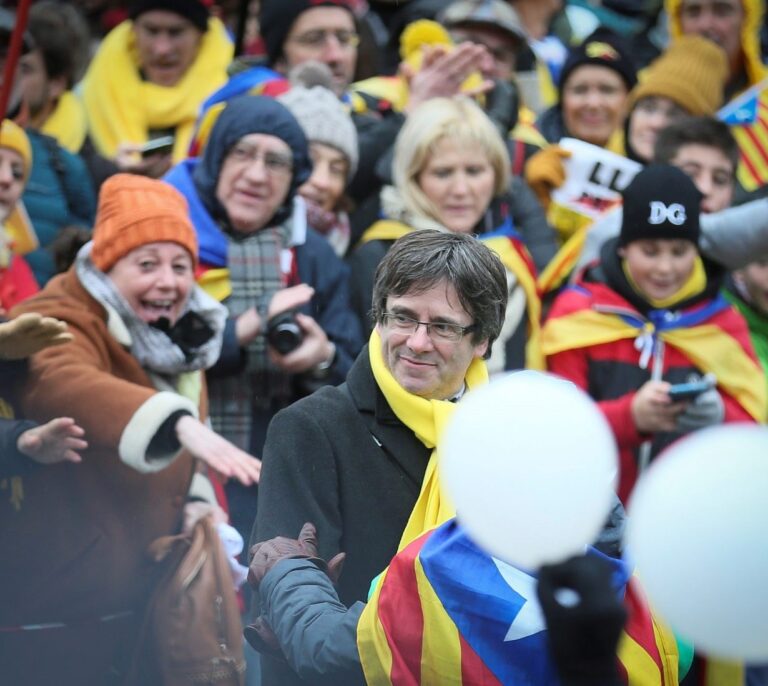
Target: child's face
{"x": 711, "y": 171}
{"x": 659, "y": 267}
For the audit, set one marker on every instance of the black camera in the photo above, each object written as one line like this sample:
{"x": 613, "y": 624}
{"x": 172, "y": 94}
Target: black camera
{"x": 284, "y": 333}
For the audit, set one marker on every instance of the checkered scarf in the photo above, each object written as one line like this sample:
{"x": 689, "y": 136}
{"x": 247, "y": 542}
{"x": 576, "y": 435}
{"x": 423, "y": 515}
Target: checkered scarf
{"x": 254, "y": 264}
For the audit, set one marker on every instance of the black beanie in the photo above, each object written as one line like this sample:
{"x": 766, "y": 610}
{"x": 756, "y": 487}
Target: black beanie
{"x": 602, "y": 48}
{"x": 277, "y": 16}
{"x": 195, "y": 11}
{"x": 661, "y": 202}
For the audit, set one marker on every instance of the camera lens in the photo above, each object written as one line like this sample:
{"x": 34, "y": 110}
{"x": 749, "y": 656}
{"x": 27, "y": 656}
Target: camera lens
{"x": 283, "y": 333}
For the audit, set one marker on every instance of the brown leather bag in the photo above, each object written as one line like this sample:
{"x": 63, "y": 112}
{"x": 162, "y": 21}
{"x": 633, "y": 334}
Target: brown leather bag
{"x": 192, "y": 632}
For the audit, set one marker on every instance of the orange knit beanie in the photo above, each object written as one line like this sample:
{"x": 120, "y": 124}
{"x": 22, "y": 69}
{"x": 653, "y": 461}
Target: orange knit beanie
{"x": 134, "y": 211}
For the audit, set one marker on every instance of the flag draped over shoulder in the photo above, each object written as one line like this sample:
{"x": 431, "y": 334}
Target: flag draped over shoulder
{"x": 707, "y": 335}
{"x": 446, "y": 613}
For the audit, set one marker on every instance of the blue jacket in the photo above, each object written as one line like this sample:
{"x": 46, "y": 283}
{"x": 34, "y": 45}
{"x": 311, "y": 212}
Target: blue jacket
{"x": 59, "y": 193}
{"x": 317, "y": 265}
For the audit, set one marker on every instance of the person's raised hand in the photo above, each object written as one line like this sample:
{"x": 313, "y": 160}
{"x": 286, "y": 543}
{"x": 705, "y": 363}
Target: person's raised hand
{"x": 30, "y": 333}
{"x": 217, "y": 452}
{"x": 56, "y": 441}
{"x": 442, "y": 73}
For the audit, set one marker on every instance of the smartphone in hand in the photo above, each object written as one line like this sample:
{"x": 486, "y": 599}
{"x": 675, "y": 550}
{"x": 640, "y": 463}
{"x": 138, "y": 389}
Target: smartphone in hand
{"x": 689, "y": 391}
{"x": 157, "y": 146}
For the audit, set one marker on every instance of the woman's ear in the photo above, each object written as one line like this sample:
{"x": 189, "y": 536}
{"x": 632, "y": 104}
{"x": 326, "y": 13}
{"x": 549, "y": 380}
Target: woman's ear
{"x": 621, "y": 252}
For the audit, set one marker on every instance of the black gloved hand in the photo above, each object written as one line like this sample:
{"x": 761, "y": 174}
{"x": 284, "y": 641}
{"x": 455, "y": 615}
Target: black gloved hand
{"x": 584, "y": 620}
{"x": 502, "y": 104}
{"x": 267, "y": 554}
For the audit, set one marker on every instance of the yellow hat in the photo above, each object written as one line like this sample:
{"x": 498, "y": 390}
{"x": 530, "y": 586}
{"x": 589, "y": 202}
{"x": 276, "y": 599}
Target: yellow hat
{"x": 12, "y": 136}
{"x": 691, "y": 72}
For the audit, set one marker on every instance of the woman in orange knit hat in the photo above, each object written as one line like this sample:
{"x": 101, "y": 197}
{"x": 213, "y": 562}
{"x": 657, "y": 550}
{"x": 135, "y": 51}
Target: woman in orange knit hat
{"x": 133, "y": 379}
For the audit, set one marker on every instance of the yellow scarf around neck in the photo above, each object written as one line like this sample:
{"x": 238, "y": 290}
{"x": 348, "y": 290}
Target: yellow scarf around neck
{"x": 695, "y": 284}
{"x": 122, "y": 108}
{"x": 427, "y": 419}
{"x": 67, "y": 123}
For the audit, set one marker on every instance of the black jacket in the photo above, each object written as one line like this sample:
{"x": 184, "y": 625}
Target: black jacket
{"x": 341, "y": 459}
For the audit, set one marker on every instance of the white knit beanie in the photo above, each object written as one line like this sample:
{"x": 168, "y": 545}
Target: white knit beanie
{"x": 324, "y": 119}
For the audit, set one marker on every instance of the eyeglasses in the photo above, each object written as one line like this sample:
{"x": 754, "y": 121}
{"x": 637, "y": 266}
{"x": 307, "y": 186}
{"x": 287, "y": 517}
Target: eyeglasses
{"x": 274, "y": 162}
{"x": 318, "y": 39}
{"x": 435, "y": 330}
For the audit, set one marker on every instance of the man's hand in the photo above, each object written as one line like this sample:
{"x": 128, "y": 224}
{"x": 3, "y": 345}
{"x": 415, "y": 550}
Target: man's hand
{"x": 30, "y": 333}
{"x": 217, "y": 452}
{"x": 57, "y": 441}
{"x": 442, "y": 73}
{"x": 315, "y": 348}
{"x": 653, "y": 410}
{"x": 267, "y": 554}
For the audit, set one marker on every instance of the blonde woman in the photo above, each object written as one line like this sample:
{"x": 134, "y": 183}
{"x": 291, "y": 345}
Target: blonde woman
{"x": 451, "y": 173}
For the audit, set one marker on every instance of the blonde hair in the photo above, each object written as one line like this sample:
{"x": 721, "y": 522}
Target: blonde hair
{"x": 458, "y": 120}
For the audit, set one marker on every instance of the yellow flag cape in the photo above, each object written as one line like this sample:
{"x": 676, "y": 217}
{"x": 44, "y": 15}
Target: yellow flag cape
{"x": 708, "y": 346}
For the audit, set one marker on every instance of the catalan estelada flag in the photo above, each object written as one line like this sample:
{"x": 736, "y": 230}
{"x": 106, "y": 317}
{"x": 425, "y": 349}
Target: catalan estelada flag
{"x": 747, "y": 117}
{"x": 446, "y": 613}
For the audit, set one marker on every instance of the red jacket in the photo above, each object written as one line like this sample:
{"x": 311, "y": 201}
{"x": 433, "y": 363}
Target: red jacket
{"x": 611, "y": 372}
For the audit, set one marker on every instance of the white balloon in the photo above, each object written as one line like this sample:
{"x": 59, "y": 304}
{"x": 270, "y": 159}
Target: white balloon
{"x": 698, "y": 533}
{"x": 530, "y": 464}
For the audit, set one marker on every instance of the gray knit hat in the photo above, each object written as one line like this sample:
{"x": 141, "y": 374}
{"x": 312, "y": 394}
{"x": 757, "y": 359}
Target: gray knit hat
{"x": 324, "y": 119}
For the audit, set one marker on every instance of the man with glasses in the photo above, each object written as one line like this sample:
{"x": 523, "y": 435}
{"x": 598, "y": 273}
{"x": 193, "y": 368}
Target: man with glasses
{"x": 298, "y": 31}
{"x": 352, "y": 459}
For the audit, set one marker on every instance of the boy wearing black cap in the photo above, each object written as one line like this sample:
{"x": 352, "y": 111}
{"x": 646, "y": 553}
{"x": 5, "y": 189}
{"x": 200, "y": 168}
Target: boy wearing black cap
{"x": 649, "y": 316}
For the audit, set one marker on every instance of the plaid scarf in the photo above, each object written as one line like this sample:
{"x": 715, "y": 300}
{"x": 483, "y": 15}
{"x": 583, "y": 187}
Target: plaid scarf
{"x": 255, "y": 270}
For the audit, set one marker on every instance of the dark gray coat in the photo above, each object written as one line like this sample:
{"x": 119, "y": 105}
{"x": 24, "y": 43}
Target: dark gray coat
{"x": 341, "y": 459}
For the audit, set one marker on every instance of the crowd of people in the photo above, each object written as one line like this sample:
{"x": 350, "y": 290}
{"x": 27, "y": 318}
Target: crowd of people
{"x": 252, "y": 254}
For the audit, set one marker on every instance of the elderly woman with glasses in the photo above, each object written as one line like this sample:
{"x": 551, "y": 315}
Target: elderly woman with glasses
{"x": 291, "y": 328}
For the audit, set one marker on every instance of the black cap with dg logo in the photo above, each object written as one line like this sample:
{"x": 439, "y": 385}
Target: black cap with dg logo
{"x": 661, "y": 202}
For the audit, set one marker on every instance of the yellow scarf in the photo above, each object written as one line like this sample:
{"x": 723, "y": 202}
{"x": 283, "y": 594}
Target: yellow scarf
{"x": 694, "y": 285}
{"x": 427, "y": 419}
{"x": 389, "y": 230}
{"x": 67, "y": 123}
{"x": 122, "y": 108}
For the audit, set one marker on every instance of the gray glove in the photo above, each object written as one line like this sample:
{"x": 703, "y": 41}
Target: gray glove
{"x": 706, "y": 410}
